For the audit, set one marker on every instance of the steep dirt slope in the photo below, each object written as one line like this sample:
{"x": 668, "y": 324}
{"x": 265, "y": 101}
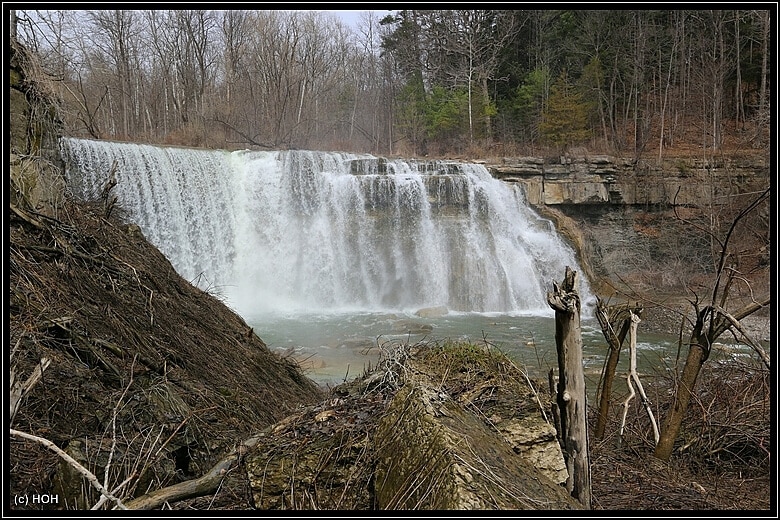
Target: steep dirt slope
{"x": 145, "y": 368}
{"x": 144, "y": 374}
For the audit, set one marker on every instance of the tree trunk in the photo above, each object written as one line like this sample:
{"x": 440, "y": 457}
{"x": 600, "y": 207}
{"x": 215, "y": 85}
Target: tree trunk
{"x": 765, "y": 23}
{"x": 571, "y": 395}
{"x": 671, "y": 427}
{"x": 738, "y": 102}
{"x": 615, "y": 341}
{"x": 698, "y": 353}
{"x": 488, "y": 119}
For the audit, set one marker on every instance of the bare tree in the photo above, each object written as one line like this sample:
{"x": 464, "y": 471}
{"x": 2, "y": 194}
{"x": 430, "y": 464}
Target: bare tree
{"x": 115, "y": 35}
{"x": 282, "y": 78}
{"x": 711, "y": 321}
{"x": 479, "y": 37}
{"x": 763, "y": 103}
{"x": 235, "y": 38}
{"x": 615, "y": 323}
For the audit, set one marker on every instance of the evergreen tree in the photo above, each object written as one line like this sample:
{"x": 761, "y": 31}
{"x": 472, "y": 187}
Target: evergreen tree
{"x": 565, "y": 118}
{"x": 447, "y": 113}
{"x": 529, "y": 101}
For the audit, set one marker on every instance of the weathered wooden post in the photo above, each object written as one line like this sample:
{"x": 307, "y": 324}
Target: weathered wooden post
{"x": 571, "y": 397}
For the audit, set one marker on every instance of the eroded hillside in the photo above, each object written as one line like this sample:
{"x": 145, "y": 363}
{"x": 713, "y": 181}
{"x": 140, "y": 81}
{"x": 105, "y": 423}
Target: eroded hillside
{"x": 141, "y": 362}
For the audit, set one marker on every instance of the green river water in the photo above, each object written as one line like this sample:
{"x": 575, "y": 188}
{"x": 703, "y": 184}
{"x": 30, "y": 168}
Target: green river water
{"x": 337, "y": 347}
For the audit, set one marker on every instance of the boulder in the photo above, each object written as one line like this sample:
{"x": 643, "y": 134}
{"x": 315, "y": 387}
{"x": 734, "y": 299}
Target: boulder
{"x": 412, "y": 327}
{"x": 432, "y": 312}
{"x": 433, "y": 454}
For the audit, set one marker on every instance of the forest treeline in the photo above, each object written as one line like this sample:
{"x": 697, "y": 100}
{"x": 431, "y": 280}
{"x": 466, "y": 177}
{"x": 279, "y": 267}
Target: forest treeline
{"x": 411, "y": 81}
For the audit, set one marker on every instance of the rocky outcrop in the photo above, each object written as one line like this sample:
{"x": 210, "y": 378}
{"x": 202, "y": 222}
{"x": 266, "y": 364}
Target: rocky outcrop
{"x": 601, "y": 179}
{"x": 638, "y": 225}
{"x": 434, "y": 454}
{"x": 35, "y": 179}
{"x": 433, "y": 427}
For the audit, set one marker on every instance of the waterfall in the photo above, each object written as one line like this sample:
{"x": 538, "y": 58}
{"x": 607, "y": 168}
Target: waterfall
{"x": 307, "y": 231}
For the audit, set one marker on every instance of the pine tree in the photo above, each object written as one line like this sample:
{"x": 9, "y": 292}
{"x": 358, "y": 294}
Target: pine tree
{"x": 565, "y": 118}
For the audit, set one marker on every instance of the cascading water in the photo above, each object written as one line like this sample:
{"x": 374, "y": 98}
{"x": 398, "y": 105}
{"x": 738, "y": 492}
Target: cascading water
{"x": 304, "y": 231}
{"x": 328, "y": 255}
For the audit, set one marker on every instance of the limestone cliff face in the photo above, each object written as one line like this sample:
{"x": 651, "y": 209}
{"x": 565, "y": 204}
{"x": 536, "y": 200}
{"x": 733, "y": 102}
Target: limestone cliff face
{"x": 36, "y": 179}
{"x": 601, "y": 179}
{"x": 622, "y": 216}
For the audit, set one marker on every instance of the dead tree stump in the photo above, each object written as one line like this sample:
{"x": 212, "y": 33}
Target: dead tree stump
{"x": 612, "y": 319}
{"x": 571, "y": 396}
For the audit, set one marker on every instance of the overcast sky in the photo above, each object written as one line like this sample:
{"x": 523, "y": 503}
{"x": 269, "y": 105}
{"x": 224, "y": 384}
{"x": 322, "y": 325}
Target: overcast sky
{"x": 351, "y": 18}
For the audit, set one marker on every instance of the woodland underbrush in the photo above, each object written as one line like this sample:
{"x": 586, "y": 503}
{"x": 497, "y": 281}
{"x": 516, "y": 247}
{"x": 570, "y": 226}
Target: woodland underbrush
{"x": 722, "y": 459}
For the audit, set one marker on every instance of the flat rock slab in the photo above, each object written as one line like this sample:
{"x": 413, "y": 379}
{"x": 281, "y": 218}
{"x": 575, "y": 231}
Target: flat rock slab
{"x": 433, "y": 454}
{"x": 432, "y": 427}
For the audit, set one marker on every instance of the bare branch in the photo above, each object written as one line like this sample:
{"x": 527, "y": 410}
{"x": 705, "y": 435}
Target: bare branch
{"x": 693, "y": 224}
{"x": 19, "y": 390}
{"x": 113, "y": 421}
{"x": 724, "y": 245}
{"x": 750, "y": 341}
{"x": 74, "y": 463}
{"x": 201, "y": 486}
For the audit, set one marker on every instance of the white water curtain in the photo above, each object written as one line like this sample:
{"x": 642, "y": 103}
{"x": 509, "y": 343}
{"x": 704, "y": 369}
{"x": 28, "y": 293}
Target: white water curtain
{"x": 320, "y": 231}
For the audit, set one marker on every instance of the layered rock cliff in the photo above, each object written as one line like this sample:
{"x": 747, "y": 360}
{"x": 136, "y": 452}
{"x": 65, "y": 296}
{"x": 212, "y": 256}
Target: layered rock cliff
{"x": 602, "y": 179}
{"x": 643, "y": 225}
{"x": 35, "y": 178}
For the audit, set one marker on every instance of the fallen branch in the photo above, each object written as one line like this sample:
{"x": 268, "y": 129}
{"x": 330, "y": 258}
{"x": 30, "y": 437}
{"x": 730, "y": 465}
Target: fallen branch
{"x": 19, "y": 390}
{"x": 74, "y": 463}
{"x": 198, "y": 487}
{"x": 104, "y": 498}
{"x": 65, "y": 247}
{"x": 25, "y": 216}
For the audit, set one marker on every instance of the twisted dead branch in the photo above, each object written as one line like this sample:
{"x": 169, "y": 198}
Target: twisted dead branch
{"x": 633, "y": 375}
{"x": 198, "y": 487}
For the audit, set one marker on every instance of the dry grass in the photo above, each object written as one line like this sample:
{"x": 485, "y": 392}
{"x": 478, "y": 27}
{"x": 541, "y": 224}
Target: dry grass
{"x": 722, "y": 460}
{"x": 133, "y": 376}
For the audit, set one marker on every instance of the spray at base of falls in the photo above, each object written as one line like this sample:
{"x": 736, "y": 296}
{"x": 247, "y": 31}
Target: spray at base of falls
{"x": 308, "y": 231}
